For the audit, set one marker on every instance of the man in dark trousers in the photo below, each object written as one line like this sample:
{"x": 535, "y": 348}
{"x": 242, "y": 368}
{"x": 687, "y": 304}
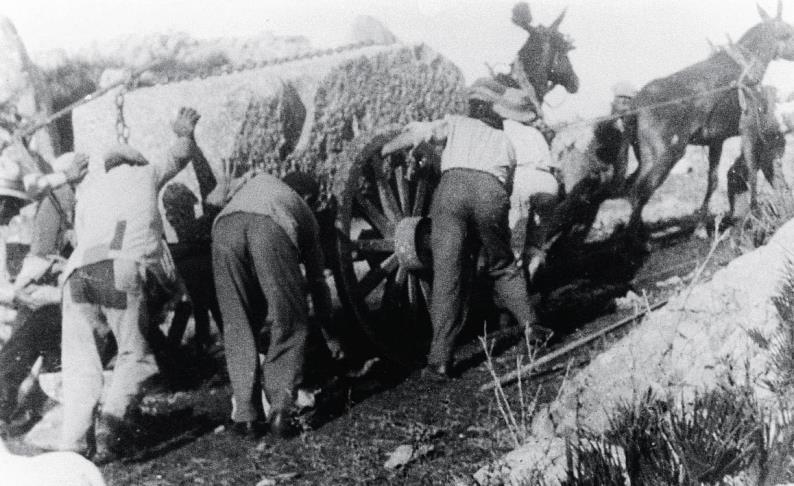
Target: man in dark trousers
{"x": 259, "y": 240}
{"x": 471, "y": 202}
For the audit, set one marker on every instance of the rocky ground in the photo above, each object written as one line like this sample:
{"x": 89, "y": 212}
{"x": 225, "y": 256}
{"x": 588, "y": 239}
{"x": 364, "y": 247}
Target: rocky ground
{"x": 432, "y": 433}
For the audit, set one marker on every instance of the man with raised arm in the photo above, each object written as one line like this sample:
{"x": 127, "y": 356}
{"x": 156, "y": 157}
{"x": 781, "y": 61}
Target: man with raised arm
{"x": 113, "y": 270}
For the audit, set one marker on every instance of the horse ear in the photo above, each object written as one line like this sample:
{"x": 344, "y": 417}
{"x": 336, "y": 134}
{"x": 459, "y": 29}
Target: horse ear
{"x": 521, "y": 16}
{"x": 764, "y": 16}
{"x": 556, "y": 24}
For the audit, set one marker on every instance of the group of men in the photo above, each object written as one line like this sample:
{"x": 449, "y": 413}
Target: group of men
{"x": 98, "y": 270}
{"x": 97, "y": 265}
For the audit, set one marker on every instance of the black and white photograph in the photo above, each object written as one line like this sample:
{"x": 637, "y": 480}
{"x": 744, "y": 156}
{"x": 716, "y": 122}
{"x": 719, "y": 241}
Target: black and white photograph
{"x": 399, "y": 242}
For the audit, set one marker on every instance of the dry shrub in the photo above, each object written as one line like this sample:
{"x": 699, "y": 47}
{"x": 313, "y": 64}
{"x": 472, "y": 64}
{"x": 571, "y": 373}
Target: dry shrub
{"x": 637, "y": 427}
{"x": 717, "y": 434}
{"x": 781, "y": 344}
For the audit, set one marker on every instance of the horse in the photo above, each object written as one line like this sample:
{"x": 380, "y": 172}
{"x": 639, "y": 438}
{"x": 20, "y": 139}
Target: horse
{"x": 697, "y": 105}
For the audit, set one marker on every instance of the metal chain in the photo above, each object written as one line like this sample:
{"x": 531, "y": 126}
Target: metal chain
{"x": 253, "y": 65}
{"x": 122, "y": 130}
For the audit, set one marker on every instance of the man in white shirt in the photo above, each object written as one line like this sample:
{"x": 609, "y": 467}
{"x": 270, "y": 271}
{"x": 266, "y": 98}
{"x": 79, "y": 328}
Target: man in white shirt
{"x": 471, "y": 202}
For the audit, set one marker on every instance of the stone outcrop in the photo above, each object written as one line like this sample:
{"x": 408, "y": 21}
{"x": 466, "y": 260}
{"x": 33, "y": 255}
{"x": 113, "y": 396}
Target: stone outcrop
{"x": 700, "y": 340}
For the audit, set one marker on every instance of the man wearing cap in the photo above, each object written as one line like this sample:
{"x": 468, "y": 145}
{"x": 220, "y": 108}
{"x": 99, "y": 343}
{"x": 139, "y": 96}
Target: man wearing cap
{"x": 259, "y": 240}
{"x": 473, "y": 196}
{"x": 623, "y": 92}
{"x": 108, "y": 280}
{"x": 35, "y": 294}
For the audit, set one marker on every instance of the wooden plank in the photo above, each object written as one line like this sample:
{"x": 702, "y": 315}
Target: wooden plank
{"x": 528, "y": 368}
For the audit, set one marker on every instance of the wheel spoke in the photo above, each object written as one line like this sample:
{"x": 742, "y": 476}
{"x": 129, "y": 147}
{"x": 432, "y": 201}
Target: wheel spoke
{"x": 426, "y": 291}
{"x": 374, "y": 246}
{"x": 375, "y": 217}
{"x": 402, "y": 189}
{"x": 375, "y": 276}
{"x": 402, "y": 274}
{"x": 413, "y": 290}
{"x": 390, "y": 206}
{"x": 419, "y": 199}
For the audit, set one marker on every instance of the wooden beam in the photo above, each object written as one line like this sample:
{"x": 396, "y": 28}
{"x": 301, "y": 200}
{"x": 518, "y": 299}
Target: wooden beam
{"x": 528, "y": 368}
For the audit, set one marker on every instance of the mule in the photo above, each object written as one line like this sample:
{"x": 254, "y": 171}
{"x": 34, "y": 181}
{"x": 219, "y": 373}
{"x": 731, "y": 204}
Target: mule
{"x": 764, "y": 140}
{"x": 696, "y": 105}
{"x": 542, "y": 62}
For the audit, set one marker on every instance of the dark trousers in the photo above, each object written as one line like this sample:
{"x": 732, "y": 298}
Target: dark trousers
{"x": 194, "y": 264}
{"x": 473, "y": 206}
{"x": 254, "y": 262}
{"x": 36, "y": 333}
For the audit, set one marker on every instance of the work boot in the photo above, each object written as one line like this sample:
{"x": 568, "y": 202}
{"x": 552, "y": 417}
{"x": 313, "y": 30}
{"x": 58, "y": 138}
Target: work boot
{"x": 537, "y": 336}
{"x": 249, "y": 429}
{"x": 114, "y": 439}
{"x": 437, "y": 372}
{"x": 283, "y": 424}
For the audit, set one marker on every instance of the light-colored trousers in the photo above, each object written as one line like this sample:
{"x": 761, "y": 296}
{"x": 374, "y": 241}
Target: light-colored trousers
{"x": 527, "y": 182}
{"x": 112, "y": 296}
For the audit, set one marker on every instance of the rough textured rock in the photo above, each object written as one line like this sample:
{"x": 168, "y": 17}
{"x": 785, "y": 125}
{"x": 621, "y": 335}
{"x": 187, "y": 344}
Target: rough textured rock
{"x": 343, "y": 92}
{"x": 22, "y": 88}
{"x": 699, "y": 340}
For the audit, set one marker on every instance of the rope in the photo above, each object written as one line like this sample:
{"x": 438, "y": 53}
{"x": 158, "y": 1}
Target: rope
{"x": 604, "y": 118}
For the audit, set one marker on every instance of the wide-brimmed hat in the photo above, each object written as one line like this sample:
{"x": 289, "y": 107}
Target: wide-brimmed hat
{"x": 516, "y": 104}
{"x": 122, "y": 154}
{"x": 624, "y": 89}
{"x": 486, "y": 89}
{"x": 509, "y": 103}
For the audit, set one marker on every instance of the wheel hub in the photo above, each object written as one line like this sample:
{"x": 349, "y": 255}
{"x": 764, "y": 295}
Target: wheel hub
{"x": 412, "y": 243}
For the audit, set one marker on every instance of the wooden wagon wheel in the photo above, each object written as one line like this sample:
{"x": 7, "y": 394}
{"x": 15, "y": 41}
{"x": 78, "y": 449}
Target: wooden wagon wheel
{"x": 383, "y": 261}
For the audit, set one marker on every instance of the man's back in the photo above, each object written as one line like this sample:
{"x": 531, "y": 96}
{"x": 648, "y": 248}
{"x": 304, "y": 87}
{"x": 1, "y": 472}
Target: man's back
{"x": 269, "y": 196}
{"x": 117, "y": 217}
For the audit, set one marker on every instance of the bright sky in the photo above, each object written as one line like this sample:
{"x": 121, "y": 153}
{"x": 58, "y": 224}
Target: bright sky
{"x": 635, "y": 40}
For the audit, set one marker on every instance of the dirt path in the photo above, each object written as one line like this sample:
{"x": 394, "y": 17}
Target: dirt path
{"x": 458, "y": 428}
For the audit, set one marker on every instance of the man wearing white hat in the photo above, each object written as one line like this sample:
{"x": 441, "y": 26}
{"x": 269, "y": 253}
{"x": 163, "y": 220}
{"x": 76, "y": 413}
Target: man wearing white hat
{"x": 478, "y": 165}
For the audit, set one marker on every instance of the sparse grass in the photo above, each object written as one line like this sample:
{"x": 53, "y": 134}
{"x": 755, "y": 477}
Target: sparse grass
{"x": 517, "y": 417}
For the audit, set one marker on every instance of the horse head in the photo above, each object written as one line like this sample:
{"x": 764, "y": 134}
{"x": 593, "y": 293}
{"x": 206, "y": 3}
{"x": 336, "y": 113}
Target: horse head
{"x": 543, "y": 60}
{"x": 771, "y": 39}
